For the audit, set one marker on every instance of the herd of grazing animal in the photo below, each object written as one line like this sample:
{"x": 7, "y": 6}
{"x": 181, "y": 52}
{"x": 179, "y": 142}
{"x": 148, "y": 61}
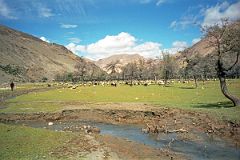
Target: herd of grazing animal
{"x": 72, "y": 85}
{"x": 113, "y": 83}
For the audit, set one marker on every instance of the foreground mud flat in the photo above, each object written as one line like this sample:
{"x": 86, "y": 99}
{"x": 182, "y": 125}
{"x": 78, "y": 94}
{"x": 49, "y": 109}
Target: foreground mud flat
{"x": 179, "y": 126}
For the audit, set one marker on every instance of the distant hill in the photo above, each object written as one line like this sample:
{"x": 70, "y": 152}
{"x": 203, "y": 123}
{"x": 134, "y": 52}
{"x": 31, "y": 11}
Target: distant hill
{"x": 123, "y": 59}
{"x": 27, "y": 58}
{"x": 201, "y": 48}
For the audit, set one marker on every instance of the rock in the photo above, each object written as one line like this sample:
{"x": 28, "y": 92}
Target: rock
{"x": 96, "y": 130}
{"x": 210, "y": 131}
{"x": 149, "y": 113}
{"x": 181, "y": 130}
{"x": 145, "y": 130}
{"x": 92, "y": 130}
{"x": 152, "y": 128}
{"x": 50, "y": 123}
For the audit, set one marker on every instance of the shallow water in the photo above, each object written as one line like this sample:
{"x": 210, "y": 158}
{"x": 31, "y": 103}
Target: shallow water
{"x": 210, "y": 148}
{"x": 207, "y": 149}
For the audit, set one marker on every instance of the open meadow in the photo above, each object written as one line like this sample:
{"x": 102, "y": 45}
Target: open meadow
{"x": 38, "y": 105}
{"x": 207, "y": 97}
{"x": 120, "y": 79}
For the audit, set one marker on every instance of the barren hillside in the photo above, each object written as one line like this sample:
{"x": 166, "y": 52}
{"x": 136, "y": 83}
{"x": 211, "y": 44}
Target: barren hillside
{"x": 123, "y": 59}
{"x": 25, "y": 57}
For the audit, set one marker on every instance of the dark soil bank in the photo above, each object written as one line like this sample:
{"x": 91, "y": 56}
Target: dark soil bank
{"x": 163, "y": 120}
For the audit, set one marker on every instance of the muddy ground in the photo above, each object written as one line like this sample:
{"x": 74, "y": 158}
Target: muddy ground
{"x": 151, "y": 119}
{"x": 164, "y": 119}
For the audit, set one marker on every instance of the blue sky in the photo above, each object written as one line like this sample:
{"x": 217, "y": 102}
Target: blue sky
{"x": 101, "y": 28}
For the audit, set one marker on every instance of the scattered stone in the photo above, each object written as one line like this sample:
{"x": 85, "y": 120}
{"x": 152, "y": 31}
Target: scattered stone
{"x": 181, "y": 130}
{"x": 145, "y": 130}
{"x": 90, "y": 130}
{"x": 210, "y": 131}
{"x": 50, "y": 123}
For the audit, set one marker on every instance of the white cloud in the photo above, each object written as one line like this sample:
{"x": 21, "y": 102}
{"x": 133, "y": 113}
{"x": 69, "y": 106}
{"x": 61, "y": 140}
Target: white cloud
{"x": 176, "y": 47}
{"x": 160, "y": 2}
{"x": 68, "y": 26}
{"x": 157, "y": 2}
{"x": 189, "y": 18}
{"x": 145, "y": 1}
{"x": 44, "y": 39}
{"x": 76, "y": 48}
{"x": 5, "y": 11}
{"x": 74, "y": 40}
{"x": 184, "y": 22}
{"x": 195, "y": 40}
{"x": 45, "y": 12}
{"x": 148, "y": 49}
{"x": 214, "y": 14}
{"x": 173, "y": 24}
{"x": 179, "y": 44}
{"x": 116, "y": 44}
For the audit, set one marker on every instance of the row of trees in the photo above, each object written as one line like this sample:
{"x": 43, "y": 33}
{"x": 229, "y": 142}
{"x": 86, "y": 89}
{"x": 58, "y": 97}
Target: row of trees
{"x": 84, "y": 72}
{"x": 168, "y": 67}
{"x": 223, "y": 62}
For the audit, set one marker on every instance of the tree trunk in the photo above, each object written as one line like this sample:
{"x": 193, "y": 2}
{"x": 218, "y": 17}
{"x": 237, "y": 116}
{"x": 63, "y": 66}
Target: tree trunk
{"x": 123, "y": 76}
{"x": 235, "y": 100}
{"x": 165, "y": 78}
{"x": 131, "y": 79}
{"x": 155, "y": 79}
{"x": 195, "y": 81}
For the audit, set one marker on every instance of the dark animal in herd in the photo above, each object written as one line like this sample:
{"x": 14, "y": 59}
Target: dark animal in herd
{"x": 114, "y": 84}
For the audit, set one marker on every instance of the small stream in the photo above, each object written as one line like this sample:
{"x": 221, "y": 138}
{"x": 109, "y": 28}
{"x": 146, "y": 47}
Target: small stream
{"x": 207, "y": 149}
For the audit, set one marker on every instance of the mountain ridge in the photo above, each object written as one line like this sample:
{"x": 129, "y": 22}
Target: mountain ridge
{"x": 33, "y": 58}
{"x": 123, "y": 59}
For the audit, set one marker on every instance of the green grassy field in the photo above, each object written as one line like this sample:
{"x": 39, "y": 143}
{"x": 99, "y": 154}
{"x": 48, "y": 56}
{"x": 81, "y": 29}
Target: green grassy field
{"x": 206, "y": 97}
{"x": 22, "y": 87}
{"x": 20, "y": 142}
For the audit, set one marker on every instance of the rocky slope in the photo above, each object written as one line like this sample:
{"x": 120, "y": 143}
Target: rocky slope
{"x": 27, "y": 58}
{"x": 123, "y": 59}
{"x": 203, "y": 47}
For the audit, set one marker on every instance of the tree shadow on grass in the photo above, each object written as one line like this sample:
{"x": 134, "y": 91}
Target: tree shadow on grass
{"x": 168, "y": 86}
{"x": 187, "y": 87}
{"x": 218, "y": 105}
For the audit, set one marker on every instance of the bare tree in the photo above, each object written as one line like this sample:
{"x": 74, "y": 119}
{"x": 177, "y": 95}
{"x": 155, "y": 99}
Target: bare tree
{"x": 169, "y": 67}
{"x": 81, "y": 68}
{"x": 112, "y": 67}
{"x": 131, "y": 70}
{"x": 140, "y": 68}
{"x": 194, "y": 68}
{"x": 92, "y": 73}
{"x": 225, "y": 38}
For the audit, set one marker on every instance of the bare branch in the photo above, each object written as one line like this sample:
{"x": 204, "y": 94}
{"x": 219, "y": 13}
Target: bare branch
{"x": 233, "y": 63}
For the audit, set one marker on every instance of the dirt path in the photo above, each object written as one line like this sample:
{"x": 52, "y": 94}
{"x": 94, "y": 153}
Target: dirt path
{"x": 4, "y": 95}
